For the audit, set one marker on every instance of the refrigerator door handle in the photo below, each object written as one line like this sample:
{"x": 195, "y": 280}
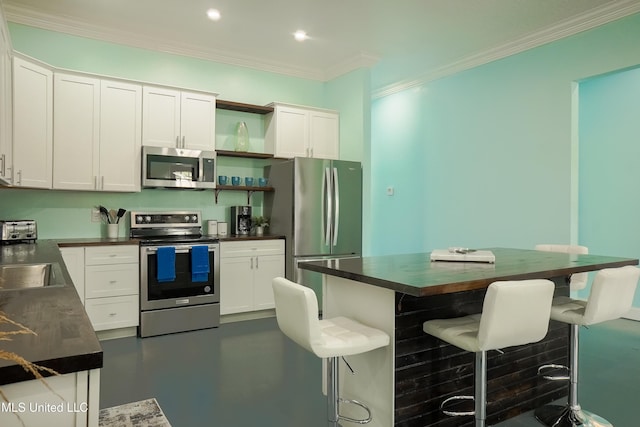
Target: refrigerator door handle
{"x": 336, "y": 197}
{"x": 327, "y": 236}
{"x": 327, "y": 207}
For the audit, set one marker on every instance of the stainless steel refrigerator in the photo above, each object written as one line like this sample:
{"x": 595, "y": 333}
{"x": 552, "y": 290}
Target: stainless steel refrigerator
{"x": 317, "y": 205}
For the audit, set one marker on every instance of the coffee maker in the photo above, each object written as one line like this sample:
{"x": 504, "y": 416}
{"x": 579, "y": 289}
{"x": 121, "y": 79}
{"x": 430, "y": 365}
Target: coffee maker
{"x": 240, "y": 220}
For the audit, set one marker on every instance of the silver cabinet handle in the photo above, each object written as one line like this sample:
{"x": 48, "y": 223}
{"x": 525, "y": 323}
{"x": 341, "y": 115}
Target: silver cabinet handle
{"x": 2, "y": 158}
{"x": 184, "y": 144}
{"x": 252, "y": 263}
{"x": 102, "y": 182}
{"x": 95, "y": 182}
{"x": 257, "y": 266}
{"x": 311, "y": 151}
{"x": 178, "y": 141}
{"x": 20, "y": 177}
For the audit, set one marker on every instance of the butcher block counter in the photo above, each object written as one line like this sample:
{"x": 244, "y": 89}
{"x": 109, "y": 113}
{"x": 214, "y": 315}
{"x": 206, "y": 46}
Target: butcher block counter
{"x": 63, "y": 340}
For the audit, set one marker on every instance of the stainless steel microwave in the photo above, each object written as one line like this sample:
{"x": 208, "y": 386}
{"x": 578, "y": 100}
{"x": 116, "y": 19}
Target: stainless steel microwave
{"x": 178, "y": 168}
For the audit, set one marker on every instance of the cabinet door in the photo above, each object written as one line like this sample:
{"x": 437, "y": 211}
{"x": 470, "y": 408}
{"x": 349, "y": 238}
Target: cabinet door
{"x": 6, "y": 152}
{"x": 74, "y": 261}
{"x": 114, "y": 312}
{"x": 236, "y": 285}
{"x": 266, "y": 268}
{"x": 197, "y": 123}
{"x": 32, "y": 124}
{"x": 120, "y": 136}
{"x": 324, "y": 135}
{"x": 109, "y": 254}
{"x": 160, "y": 117}
{"x": 111, "y": 280}
{"x": 291, "y": 133}
{"x": 76, "y": 126}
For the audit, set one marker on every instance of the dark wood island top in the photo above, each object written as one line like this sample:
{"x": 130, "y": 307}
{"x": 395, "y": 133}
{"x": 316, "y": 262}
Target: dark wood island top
{"x": 415, "y": 274}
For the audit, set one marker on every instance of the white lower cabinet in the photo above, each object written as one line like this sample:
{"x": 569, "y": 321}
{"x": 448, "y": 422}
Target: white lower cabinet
{"x": 74, "y": 261}
{"x": 110, "y": 284}
{"x": 246, "y": 271}
{"x": 69, "y": 400}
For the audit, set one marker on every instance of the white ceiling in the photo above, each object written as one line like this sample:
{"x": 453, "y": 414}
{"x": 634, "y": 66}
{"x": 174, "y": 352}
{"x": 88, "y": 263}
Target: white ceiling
{"x": 345, "y": 34}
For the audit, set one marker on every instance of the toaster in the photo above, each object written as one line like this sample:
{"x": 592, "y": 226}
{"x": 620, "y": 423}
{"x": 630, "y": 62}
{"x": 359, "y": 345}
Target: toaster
{"x": 18, "y": 231}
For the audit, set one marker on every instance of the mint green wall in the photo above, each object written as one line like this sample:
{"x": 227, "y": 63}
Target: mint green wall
{"x": 609, "y": 126}
{"x": 489, "y": 149}
{"x": 68, "y": 214}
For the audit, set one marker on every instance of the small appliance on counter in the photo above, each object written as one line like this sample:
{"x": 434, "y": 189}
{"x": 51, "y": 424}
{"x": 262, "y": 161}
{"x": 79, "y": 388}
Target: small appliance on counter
{"x": 18, "y": 231}
{"x": 240, "y": 220}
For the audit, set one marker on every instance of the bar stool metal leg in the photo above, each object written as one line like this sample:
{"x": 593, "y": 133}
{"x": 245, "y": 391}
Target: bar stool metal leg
{"x": 571, "y": 415}
{"x": 332, "y": 392}
{"x": 481, "y": 388}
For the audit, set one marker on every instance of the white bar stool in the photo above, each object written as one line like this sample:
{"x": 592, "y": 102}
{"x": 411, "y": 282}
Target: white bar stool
{"x": 611, "y": 297}
{"x": 513, "y": 313}
{"x": 578, "y": 280}
{"x": 297, "y": 315}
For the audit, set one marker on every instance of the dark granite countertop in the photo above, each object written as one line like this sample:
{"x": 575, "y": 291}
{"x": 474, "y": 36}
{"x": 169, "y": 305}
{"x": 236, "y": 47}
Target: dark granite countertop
{"x": 65, "y": 340}
{"x": 98, "y": 241}
{"x": 415, "y": 274}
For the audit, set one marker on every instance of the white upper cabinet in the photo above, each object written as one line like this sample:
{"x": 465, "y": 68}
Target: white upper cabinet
{"x": 294, "y": 131}
{"x": 76, "y": 125}
{"x": 178, "y": 119}
{"x": 120, "y": 135}
{"x": 32, "y": 124}
{"x": 97, "y": 134}
{"x": 6, "y": 151}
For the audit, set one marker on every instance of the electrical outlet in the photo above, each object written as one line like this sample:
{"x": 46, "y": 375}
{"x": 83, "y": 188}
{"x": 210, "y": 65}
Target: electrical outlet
{"x": 95, "y": 215}
{"x": 390, "y": 191}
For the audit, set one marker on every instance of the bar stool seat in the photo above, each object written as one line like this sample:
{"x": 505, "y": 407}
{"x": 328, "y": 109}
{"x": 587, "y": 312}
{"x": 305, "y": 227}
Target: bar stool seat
{"x": 610, "y": 298}
{"x": 513, "y": 313}
{"x": 297, "y": 316}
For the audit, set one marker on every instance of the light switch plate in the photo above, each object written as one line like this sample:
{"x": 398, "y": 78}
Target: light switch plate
{"x": 95, "y": 215}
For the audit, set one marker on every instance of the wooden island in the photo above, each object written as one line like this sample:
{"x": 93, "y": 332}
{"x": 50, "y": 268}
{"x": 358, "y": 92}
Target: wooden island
{"x": 404, "y": 383}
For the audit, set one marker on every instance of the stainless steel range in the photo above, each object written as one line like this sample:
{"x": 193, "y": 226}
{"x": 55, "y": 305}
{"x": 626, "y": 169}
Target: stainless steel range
{"x": 179, "y": 273}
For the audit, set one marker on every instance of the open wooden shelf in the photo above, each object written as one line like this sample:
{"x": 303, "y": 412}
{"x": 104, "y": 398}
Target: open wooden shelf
{"x": 249, "y": 190}
{"x": 245, "y": 108}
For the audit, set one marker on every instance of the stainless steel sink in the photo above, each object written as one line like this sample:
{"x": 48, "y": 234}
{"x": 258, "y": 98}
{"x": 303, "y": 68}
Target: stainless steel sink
{"x": 24, "y": 276}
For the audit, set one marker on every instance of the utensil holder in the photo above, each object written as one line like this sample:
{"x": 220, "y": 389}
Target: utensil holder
{"x": 112, "y": 231}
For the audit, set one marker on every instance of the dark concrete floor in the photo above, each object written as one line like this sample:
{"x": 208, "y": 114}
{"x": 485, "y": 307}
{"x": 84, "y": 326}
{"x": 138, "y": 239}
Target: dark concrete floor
{"x": 248, "y": 374}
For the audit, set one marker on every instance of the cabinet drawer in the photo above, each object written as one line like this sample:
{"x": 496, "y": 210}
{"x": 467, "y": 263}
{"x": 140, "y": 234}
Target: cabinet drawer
{"x": 113, "y": 313}
{"x": 111, "y": 280}
{"x": 252, "y": 248}
{"x": 99, "y": 255}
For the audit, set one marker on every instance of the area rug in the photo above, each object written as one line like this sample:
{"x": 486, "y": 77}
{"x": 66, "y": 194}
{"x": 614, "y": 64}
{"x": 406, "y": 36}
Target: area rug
{"x": 145, "y": 413}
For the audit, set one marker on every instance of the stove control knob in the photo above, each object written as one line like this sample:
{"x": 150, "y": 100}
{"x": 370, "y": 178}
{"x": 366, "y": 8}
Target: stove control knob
{"x": 147, "y": 218}
{"x": 186, "y": 218}
{"x": 139, "y": 219}
{"x": 194, "y": 218}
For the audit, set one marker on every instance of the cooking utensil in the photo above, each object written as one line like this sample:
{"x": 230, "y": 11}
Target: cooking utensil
{"x": 105, "y": 213}
{"x": 121, "y": 213}
{"x": 112, "y": 216}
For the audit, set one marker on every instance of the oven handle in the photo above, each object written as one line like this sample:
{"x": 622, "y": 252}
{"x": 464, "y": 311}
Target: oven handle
{"x": 179, "y": 249}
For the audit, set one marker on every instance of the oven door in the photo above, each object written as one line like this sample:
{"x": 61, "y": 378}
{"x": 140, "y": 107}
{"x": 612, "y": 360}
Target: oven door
{"x": 183, "y": 291}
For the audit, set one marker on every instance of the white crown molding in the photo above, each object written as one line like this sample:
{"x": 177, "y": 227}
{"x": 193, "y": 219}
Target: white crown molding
{"x": 33, "y": 18}
{"x": 633, "y": 314}
{"x": 586, "y": 21}
{"x": 362, "y": 60}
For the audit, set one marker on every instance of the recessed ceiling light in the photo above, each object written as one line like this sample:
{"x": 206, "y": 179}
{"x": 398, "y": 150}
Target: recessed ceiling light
{"x": 300, "y": 35}
{"x": 213, "y": 14}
